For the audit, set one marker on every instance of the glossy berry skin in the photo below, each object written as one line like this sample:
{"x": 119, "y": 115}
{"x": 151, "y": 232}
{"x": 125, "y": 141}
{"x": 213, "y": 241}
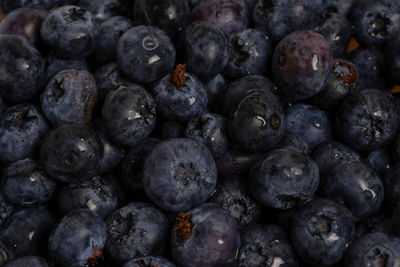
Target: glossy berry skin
{"x": 135, "y": 230}
{"x": 21, "y": 69}
{"x": 250, "y": 52}
{"x": 145, "y": 54}
{"x": 356, "y": 186}
{"x": 179, "y": 174}
{"x": 78, "y": 239}
{"x": 284, "y": 179}
{"x": 266, "y": 245}
{"x": 211, "y": 239}
{"x": 129, "y": 114}
{"x": 367, "y": 120}
{"x": 170, "y": 15}
{"x": 27, "y": 230}
{"x": 392, "y": 184}
{"x": 331, "y": 153}
{"x": 9, "y": 5}
{"x": 97, "y": 195}
{"x": 210, "y": 129}
{"x": 22, "y": 129}
{"x": 236, "y": 162}
{"x": 374, "y": 249}
{"x": 69, "y": 97}
{"x": 28, "y": 261}
{"x": 257, "y": 123}
{"x": 206, "y": 50}
{"x": 230, "y": 16}
{"x": 55, "y": 64}
{"x": 311, "y": 124}
{"x": 301, "y": 64}
{"x": 110, "y": 31}
{"x": 376, "y": 25}
{"x": 149, "y": 261}
{"x": 233, "y": 194}
{"x": 71, "y": 152}
{"x": 180, "y": 103}
{"x": 70, "y": 31}
{"x": 342, "y": 81}
{"x": 321, "y": 231}
{"x": 25, "y": 183}
{"x": 26, "y": 22}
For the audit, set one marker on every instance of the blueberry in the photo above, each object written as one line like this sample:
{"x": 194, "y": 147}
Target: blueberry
{"x": 25, "y": 183}
{"x": 321, "y": 231}
{"x": 206, "y": 50}
{"x": 249, "y": 53}
{"x": 233, "y": 194}
{"x": 28, "y": 261}
{"x": 149, "y": 261}
{"x": 70, "y": 31}
{"x": 236, "y": 162}
{"x": 284, "y": 179}
{"x": 71, "y": 153}
{"x": 179, "y": 174}
{"x": 301, "y": 64}
{"x": 311, "y": 124}
{"x": 27, "y": 230}
{"x": 265, "y": 245}
{"x": 374, "y": 249}
{"x": 137, "y": 229}
{"x": 180, "y": 95}
{"x": 104, "y": 9}
{"x": 78, "y": 239}
{"x": 367, "y": 119}
{"x": 9, "y": 5}
{"x": 204, "y": 236}
{"x": 70, "y": 97}
{"x": 21, "y": 69}
{"x": 211, "y": 130}
{"x": 56, "y": 64}
{"x": 129, "y": 114}
{"x": 145, "y": 54}
{"x": 22, "y": 129}
{"x": 257, "y": 123}
{"x": 97, "y": 195}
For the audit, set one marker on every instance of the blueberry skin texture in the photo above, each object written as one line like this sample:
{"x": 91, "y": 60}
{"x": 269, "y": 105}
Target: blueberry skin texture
{"x": 22, "y": 129}
{"x": 169, "y": 15}
{"x": 149, "y": 261}
{"x": 258, "y": 122}
{"x": 233, "y": 194}
{"x": 135, "y": 230}
{"x": 22, "y": 68}
{"x": 301, "y": 64}
{"x": 69, "y": 97}
{"x": 6, "y": 209}
{"x": 206, "y": 50}
{"x": 179, "y": 174}
{"x": 230, "y": 16}
{"x": 28, "y": 261}
{"x": 26, "y": 22}
{"x": 77, "y": 239}
{"x": 284, "y": 179}
{"x": 321, "y": 232}
{"x": 266, "y": 245}
{"x": 180, "y": 103}
{"x": 97, "y": 195}
{"x": 392, "y": 184}
{"x": 70, "y": 31}
{"x": 210, "y": 129}
{"x": 236, "y": 162}
{"x": 331, "y": 153}
{"x": 110, "y": 31}
{"x": 55, "y": 64}
{"x": 27, "y": 230}
{"x": 210, "y": 224}
{"x": 9, "y": 5}
{"x": 356, "y": 186}
{"x": 25, "y": 183}
{"x": 373, "y": 249}
{"x": 368, "y": 120}
{"x": 145, "y": 54}
{"x": 250, "y": 52}
{"x": 129, "y": 114}
{"x": 71, "y": 153}
{"x": 337, "y": 31}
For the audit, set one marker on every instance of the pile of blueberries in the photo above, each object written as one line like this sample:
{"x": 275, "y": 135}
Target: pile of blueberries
{"x": 200, "y": 133}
